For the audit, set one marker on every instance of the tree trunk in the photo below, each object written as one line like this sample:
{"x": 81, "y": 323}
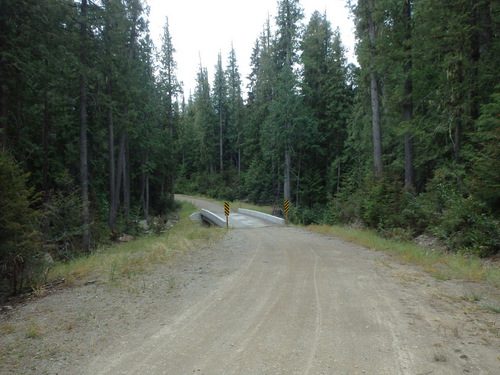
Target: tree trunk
{"x": 19, "y": 107}
{"x": 409, "y": 164}
{"x": 408, "y": 97}
{"x": 376, "y": 128}
{"x": 146, "y": 203}
{"x": 374, "y": 93}
{"x": 3, "y": 85}
{"x": 118, "y": 181}
{"x": 239, "y": 162}
{"x": 299, "y": 164}
{"x": 145, "y": 189}
{"x": 172, "y": 160}
{"x": 83, "y": 131}
{"x": 45, "y": 145}
{"x": 112, "y": 171}
{"x": 126, "y": 178}
{"x": 460, "y": 113}
{"x": 475, "y": 55}
{"x": 338, "y": 177}
{"x": 220, "y": 138}
{"x": 458, "y": 138}
{"x": 288, "y": 164}
{"x": 3, "y": 115}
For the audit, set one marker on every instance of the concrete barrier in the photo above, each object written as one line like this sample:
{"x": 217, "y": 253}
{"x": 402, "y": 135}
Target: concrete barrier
{"x": 260, "y": 215}
{"x": 213, "y": 218}
{"x": 196, "y": 217}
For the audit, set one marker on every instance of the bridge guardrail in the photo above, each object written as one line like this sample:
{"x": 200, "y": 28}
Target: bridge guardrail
{"x": 261, "y": 215}
{"x": 213, "y": 218}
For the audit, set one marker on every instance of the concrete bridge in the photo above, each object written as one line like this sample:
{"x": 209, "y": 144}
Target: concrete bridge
{"x": 213, "y": 213}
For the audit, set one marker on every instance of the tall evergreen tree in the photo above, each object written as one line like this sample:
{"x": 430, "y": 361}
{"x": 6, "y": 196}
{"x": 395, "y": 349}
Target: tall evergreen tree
{"x": 365, "y": 13}
{"x": 83, "y": 128}
{"x": 171, "y": 87}
{"x": 408, "y": 93}
{"x": 235, "y": 109}
{"x": 220, "y": 102}
{"x": 289, "y": 15}
{"x": 205, "y": 122}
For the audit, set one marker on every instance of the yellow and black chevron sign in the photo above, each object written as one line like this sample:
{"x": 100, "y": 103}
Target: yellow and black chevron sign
{"x": 287, "y": 205}
{"x": 226, "y": 208}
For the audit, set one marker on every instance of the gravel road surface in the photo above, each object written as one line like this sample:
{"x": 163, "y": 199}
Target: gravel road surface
{"x": 302, "y": 303}
{"x": 267, "y": 300}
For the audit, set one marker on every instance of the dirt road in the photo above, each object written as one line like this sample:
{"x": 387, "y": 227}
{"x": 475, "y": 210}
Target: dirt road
{"x": 268, "y": 300}
{"x": 301, "y": 303}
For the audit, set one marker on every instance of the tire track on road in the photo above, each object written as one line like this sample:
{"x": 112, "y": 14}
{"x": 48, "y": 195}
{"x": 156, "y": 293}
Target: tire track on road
{"x": 319, "y": 314}
{"x": 178, "y": 327}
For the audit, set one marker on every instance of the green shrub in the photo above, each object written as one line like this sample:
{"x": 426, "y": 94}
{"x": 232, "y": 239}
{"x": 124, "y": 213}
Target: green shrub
{"x": 383, "y": 203}
{"x": 347, "y": 205}
{"x": 464, "y": 223}
{"x": 484, "y": 177}
{"x": 19, "y": 235}
{"x": 308, "y": 215}
{"x": 62, "y": 218}
{"x": 467, "y": 226}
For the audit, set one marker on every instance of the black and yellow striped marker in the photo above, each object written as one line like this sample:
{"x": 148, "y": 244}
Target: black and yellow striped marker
{"x": 287, "y": 208}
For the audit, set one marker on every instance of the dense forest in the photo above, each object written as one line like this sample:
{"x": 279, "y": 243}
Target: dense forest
{"x": 96, "y": 133}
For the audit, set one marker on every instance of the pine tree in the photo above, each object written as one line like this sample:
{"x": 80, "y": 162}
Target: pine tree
{"x": 205, "y": 128}
{"x": 83, "y": 129}
{"x": 235, "y": 109}
{"x": 170, "y": 87}
{"x": 289, "y": 15}
{"x": 220, "y": 102}
{"x": 367, "y": 56}
{"x": 19, "y": 239}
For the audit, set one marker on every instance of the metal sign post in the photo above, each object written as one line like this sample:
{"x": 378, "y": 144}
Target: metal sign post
{"x": 287, "y": 208}
{"x": 226, "y": 211}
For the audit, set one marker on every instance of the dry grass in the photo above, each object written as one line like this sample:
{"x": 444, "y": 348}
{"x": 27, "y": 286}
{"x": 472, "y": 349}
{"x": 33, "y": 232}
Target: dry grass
{"x": 126, "y": 260}
{"x": 442, "y": 266}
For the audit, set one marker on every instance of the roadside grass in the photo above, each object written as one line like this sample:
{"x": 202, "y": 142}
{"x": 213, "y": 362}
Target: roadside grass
{"x": 142, "y": 255}
{"x": 440, "y": 265}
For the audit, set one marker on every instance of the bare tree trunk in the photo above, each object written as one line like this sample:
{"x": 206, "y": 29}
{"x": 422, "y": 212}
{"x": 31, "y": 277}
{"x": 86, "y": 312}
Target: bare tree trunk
{"x": 221, "y": 151}
{"x": 112, "y": 171}
{"x": 299, "y": 164}
{"x": 338, "y": 176}
{"x": 374, "y": 92}
{"x": 172, "y": 160}
{"x": 3, "y": 88}
{"x": 239, "y": 162}
{"x": 3, "y": 115}
{"x": 288, "y": 164}
{"x": 45, "y": 144}
{"x": 475, "y": 54}
{"x": 118, "y": 181}
{"x": 409, "y": 164}
{"x": 145, "y": 189}
{"x": 146, "y": 203}
{"x": 376, "y": 128}
{"x": 83, "y": 131}
{"x": 126, "y": 178}
{"x": 408, "y": 97}
{"x": 458, "y": 138}
{"x": 460, "y": 113}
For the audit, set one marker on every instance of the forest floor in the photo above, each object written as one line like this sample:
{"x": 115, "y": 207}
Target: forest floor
{"x": 259, "y": 301}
